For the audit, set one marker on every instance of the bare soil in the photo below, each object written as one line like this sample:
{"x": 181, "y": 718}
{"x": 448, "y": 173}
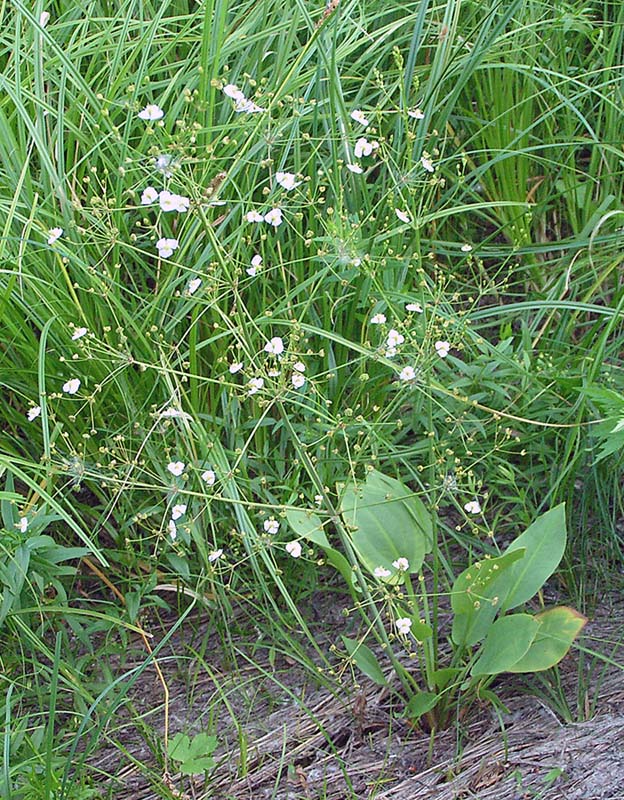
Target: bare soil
{"x": 285, "y": 735}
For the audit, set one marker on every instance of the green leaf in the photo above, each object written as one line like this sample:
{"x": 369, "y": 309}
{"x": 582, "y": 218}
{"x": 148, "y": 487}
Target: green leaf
{"x": 387, "y": 522}
{"x": 494, "y": 699}
{"x": 420, "y": 630}
{"x": 179, "y": 565}
{"x": 419, "y": 704}
{"x": 307, "y": 525}
{"x": 9, "y": 501}
{"x": 133, "y": 603}
{"x": 310, "y": 526}
{"x": 193, "y": 754}
{"x": 558, "y": 629}
{"x": 443, "y": 677}
{"x": 507, "y": 641}
{"x": 365, "y": 660}
{"x": 477, "y": 595}
{"x": 544, "y": 542}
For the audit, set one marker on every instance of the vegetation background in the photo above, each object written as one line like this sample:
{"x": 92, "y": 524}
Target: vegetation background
{"x": 450, "y": 180}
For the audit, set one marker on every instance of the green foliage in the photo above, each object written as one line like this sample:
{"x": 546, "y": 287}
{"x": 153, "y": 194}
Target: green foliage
{"x": 507, "y": 641}
{"x": 543, "y": 543}
{"x": 32, "y": 564}
{"x": 387, "y": 521}
{"x": 193, "y": 756}
{"x": 558, "y": 628}
{"x": 478, "y": 594}
{"x": 375, "y": 510}
{"x": 365, "y": 660}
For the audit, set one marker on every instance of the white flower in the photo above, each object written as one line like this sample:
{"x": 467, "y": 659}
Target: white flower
{"x": 378, "y": 319}
{"x": 473, "y": 507}
{"x": 299, "y": 366}
{"x": 364, "y": 148}
{"x": 395, "y": 338}
{"x": 151, "y": 113}
{"x": 173, "y": 202}
{"x": 78, "y": 333}
{"x": 166, "y": 247}
{"x": 287, "y": 180}
{"x": 72, "y": 386}
{"x": 402, "y": 215}
{"x": 174, "y": 413}
{"x": 391, "y": 352}
{"x": 359, "y": 116}
{"x": 256, "y": 263}
{"x": 318, "y": 499}
{"x": 298, "y": 380}
{"x": 176, "y": 467}
{"x": 275, "y": 346}
{"x": 271, "y": 526}
{"x": 44, "y": 18}
{"x": 416, "y": 114}
{"x": 233, "y": 91}
{"x": 442, "y": 349}
{"x": 254, "y": 216}
{"x": 33, "y": 413}
{"x": 403, "y": 625}
{"x": 208, "y": 476}
{"x": 149, "y": 196}
{"x": 407, "y": 374}
{"x": 163, "y": 164}
{"x": 381, "y": 572}
{"x": 402, "y": 564}
{"x": 273, "y": 373}
{"x": 449, "y": 482}
{"x": 274, "y": 217}
{"x": 356, "y": 168}
{"x": 466, "y": 248}
{"x": 415, "y": 307}
{"x": 167, "y": 201}
{"x": 293, "y": 548}
{"x": 427, "y": 164}
{"x": 235, "y": 367}
{"x": 179, "y": 510}
{"x": 215, "y": 555}
{"x": 23, "y": 524}
{"x": 54, "y": 234}
{"x": 193, "y": 285}
{"x": 255, "y": 384}
{"x": 172, "y": 530}
{"x": 245, "y": 106}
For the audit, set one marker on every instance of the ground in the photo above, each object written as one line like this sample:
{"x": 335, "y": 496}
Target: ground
{"x": 301, "y": 740}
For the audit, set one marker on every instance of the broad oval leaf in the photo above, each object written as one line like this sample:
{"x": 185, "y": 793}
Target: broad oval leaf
{"x": 544, "y": 542}
{"x": 509, "y": 638}
{"x": 365, "y": 660}
{"x": 387, "y": 522}
{"x": 477, "y": 595}
{"x": 445, "y": 676}
{"x": 419, "y": 704}
{"x": 559, "y": 628}
{"x": 310, "y": 526}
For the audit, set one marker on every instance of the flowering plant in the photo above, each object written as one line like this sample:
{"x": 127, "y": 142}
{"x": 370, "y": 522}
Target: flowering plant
{"x": 388, "y": 536}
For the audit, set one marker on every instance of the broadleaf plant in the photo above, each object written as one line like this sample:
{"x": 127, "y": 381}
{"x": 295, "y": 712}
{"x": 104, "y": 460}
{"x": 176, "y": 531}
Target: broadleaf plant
{"x": 386, "y": 532}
